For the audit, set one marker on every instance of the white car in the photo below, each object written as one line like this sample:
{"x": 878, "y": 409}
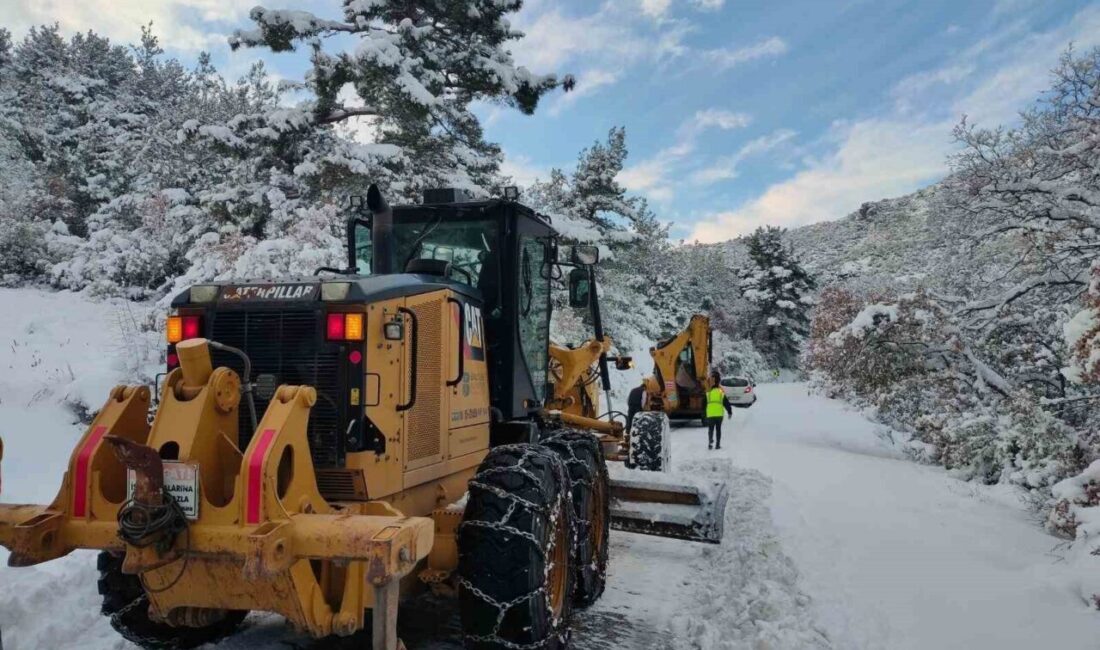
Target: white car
{"x": 741, "y": 391}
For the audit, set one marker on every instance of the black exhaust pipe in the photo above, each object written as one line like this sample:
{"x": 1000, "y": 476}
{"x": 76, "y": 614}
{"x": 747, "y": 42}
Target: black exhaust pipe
{"x": 381, "y": 232}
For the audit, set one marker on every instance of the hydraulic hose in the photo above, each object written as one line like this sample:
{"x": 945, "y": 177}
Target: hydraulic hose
{"x": 246, "y": 381}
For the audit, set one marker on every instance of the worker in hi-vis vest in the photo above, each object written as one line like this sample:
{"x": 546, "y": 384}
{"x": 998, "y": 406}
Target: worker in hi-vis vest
{"x": 716, "y": 403}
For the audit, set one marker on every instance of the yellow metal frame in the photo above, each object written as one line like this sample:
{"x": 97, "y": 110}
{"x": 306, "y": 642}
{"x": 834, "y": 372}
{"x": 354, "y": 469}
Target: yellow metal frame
{"x": 261, "y": 517}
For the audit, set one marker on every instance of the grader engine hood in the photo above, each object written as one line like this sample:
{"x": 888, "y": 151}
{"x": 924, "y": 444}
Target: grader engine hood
{"x": 303, "y": 331}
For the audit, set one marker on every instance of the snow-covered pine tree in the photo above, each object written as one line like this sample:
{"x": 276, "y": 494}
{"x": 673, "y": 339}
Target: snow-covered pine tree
{"x": 780, "y": 291}
{"x": 590, "y": 206}
{"x": 416, "y": 67}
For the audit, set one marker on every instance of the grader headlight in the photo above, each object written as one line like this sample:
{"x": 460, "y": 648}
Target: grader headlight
{"x": 204, "y": 293}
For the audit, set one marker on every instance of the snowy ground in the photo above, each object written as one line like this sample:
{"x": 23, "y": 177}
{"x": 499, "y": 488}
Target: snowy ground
{"x": 833, "y": 540}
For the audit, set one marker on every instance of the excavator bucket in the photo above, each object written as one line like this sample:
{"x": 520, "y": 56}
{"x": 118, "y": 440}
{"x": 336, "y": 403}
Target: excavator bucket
{"x": 667, "y": 510}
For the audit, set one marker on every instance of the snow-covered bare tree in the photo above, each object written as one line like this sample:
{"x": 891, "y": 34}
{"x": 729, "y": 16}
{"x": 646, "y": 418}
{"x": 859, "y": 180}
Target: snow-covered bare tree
{"x": 780, "y": 291}
{"x": 1082, "y": 336}
{"x": 1038, "y": 187}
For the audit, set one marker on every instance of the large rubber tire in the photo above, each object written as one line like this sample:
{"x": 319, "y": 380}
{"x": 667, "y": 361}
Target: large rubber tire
{"x": 515, "y": 552}
{"x": 650, "y": 442}
{"x": 127, "y": 605}
{"x": 580, "y": 451}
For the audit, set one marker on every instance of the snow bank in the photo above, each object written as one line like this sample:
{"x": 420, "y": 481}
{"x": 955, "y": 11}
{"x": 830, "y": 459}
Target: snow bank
{"x": 750, "y": 595}
{"x": 61, "y": 354}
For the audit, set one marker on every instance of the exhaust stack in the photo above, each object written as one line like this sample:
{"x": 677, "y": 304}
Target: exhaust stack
{"x": 381, "y": 231}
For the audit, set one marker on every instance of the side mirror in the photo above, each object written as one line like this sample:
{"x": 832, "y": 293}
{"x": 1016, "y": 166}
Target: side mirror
{"x": 585, "y": 255}
{"x": 580, "y": 288}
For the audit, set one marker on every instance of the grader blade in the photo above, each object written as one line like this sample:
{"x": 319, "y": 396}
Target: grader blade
{"x": 665, "y": 510}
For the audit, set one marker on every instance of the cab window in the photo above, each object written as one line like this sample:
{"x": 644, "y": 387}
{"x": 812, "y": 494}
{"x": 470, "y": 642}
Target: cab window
{"x": 534, "y": 310}
{"x": 363, "y": 249}
{"x": 466, "y": 244}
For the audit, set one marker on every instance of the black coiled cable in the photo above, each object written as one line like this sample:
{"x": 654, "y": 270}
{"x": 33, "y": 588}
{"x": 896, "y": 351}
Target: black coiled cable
{"x": 141, "y": 525}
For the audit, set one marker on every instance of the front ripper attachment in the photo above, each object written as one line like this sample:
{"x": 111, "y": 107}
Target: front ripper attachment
{"x": 666, "y": 510}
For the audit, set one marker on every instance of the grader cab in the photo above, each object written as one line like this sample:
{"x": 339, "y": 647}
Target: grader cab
{"x": 322, "y": 446}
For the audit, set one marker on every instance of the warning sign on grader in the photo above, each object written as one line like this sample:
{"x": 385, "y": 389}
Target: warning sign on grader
{"x": 182, "y": 482}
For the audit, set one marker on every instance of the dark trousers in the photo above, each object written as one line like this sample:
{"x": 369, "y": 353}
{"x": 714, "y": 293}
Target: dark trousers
{"x": 714, "y": 426}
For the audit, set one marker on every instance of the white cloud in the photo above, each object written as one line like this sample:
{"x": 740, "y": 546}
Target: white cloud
{"x": 727, "y": 168}
{"x": 122, "y": 20}
{"x": 553, "y": 39}
{"x": 659, "y": 8}
{"x": 655, "y": 8}
{"x": 896, "y": 154}
{"x": 650, "y": 177}
{"x": 709, "y": 5}
{"x": 718, "y": 118}
{"x": 730, "y": 57}
{"x": 653, "y": 176}
{"x": 875, "y": 159}
{"x": 587, "y": 83}
{"x": 912, "y": 89}
{"x": 1024, "y": 70}
{"x": 522, "y": 170}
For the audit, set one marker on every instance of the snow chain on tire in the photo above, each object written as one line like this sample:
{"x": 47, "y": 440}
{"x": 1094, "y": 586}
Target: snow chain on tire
{"x": 650, "y": 442}
{"x": 584, "y": 461}
{"x": 519, "y": 508}
{"x": 127, "y": 605}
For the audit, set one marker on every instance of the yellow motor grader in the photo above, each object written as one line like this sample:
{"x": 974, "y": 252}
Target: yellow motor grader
{"x": 323, "y": 446}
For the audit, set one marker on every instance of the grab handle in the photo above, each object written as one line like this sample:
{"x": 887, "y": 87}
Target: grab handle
{"x": 412, "y": 377}
{"x": 461, "y": 338}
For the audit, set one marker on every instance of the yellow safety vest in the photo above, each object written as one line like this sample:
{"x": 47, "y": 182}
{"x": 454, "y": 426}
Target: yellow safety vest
{"x": 715, "y": 396}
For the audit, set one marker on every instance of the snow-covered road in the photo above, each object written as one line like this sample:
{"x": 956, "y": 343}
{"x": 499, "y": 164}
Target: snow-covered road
{"x": 833, "y": 539}
{"x": 895, "y": 554}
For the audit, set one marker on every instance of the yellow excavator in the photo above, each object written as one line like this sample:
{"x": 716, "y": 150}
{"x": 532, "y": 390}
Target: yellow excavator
{"x": 323, "y": 446}
{"x": 681, "y": 373}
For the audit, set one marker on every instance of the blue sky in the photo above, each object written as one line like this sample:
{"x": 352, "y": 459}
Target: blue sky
{"x": 738, "y": 112}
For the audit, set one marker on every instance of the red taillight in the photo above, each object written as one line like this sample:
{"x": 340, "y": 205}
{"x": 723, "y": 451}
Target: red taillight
{"x": 192, "y": 327}
{"x": 748, "y": 389}
{"x": 344, "y": 327}
{"x": 355, "y": 357}
{"x": 335, "y": 329}
{"x": 181, "y": 328}
{"x": 172, "y": 360}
